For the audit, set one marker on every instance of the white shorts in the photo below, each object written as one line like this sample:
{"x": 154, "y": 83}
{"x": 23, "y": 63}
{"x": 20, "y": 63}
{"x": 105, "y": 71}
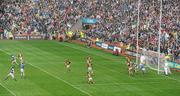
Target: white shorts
{"x": 90, "y": 69}
{"x": 14, "y": 61}
{"x": 11, "y": 74}
{"x": 130, "y": 68}
{"x": 67, "y": 66}
{"x": 22, "y": 70}
{"x": 143, "y": 69}
{"x": 21, "y": 60}
{"x": 90, "y": 79}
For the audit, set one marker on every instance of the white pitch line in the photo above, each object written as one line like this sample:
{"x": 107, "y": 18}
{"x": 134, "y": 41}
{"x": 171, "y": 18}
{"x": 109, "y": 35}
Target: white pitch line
{"x": 8, "y": 89}
{"x": 151, "y": 79}
{"x": 61, "y": 79}
{"x": 54, "y": 77}
{"x": 173, "y": 78}
{"x": 114, "y": 84}
{"x": 71, "y": 84}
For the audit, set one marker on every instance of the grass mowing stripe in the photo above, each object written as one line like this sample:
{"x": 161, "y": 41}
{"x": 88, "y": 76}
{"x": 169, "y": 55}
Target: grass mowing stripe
{"x": 60, "y": 79}
{"x": 93, "y": 54}
{"x": 40, "y": 56}
{"x": 8, "y": 89}
{"x": 165, "y": 87}
{"x": 39, "y": 50}
{"x": 77, "y": 49}
{"x": 104, "y": 67}
{"x": 53, "y": 76}
{"x": 57, "y": 55}
{"x": 81, "y": 49}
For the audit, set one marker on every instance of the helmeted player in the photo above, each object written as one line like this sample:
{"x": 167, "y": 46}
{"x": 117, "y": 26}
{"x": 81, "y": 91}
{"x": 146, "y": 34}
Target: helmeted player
{"x": 22, "y": 70}
{"x": 67, "y": 64}
{"x": 11, "y": 74}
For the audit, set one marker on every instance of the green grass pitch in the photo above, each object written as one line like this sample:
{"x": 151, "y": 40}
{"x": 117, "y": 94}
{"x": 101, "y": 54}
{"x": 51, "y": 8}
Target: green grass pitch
{"x": 47, "y": 76}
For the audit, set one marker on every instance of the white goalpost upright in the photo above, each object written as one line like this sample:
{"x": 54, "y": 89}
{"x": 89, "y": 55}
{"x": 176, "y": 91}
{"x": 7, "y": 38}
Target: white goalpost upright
{"x": 159, "y": 39}
{"x": 154, "y": 59}
{"x": 137, "y": 34}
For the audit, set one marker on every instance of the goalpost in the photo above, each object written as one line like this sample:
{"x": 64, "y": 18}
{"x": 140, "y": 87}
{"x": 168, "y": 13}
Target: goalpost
{"x": 159, "y": 39}
{"x": 154, "y": 60}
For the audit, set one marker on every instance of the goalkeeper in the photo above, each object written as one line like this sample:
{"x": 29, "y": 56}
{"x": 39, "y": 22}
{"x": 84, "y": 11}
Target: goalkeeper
{"x": 142, "y": 63}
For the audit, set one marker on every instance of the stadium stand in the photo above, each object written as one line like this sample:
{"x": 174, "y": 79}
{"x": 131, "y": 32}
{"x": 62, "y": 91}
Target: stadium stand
{"x": 116, "y": 20}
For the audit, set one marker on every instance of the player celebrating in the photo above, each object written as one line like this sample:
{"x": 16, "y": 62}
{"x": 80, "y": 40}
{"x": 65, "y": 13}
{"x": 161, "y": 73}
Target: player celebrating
{"x": 89, "y": 78}
{"x": 89, "y": 65}
{"x": 11, "y": 73}
{"x": 67, "y": 64}
{"x": 22, "y": 70}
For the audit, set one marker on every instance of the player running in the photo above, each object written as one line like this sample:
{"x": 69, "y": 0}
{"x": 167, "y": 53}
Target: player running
{"x": 89, "y": 78}
{"x": 89, "y": 65}
{"x": 20, "y": 57}
{"x": 11, "y": 74}
{"x": 20, "y": 54}
{"x": 13, "y": 60}
{"x": 67, "y": 64}
{"x": 22, "y": 70}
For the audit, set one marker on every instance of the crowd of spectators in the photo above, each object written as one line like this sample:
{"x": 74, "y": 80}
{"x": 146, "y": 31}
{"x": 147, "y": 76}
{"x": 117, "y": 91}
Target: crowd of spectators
{"x": 117, "y": 20}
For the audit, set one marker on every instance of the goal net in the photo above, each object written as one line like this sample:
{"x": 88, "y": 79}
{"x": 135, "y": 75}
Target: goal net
{"x": 151, "y": 60}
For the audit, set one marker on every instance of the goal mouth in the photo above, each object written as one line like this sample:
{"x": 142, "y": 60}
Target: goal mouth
{"x": 152, "y": 58}
{"x": 155, "y": 68}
